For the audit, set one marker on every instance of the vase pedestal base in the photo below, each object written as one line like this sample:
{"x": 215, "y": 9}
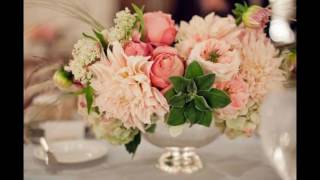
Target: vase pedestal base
{"x": 179, "y": 160}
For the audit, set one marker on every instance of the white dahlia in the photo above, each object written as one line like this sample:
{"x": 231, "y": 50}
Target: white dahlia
{"x": 260, "y": 66}
{"x": 123, "y": 91}
{"x": 244, "y": 124}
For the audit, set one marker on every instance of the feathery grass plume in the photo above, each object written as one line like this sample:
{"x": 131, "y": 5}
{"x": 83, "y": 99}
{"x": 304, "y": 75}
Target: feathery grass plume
{"x": 71, "y": 8}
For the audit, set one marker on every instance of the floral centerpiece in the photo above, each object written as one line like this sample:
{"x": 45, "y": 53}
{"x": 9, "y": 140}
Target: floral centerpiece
{"x": 212, "y": 71}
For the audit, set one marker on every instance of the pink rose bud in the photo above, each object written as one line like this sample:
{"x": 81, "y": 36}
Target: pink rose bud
{"x": 137, "y": 49}
{"x": 166, "y": 64}
{"x": 159, "y": 28}
{"x": 256, "y": 17}
{"x": 83, "y": 104}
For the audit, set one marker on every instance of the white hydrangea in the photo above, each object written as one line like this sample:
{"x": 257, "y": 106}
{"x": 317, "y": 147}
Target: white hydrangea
{"x": 85, "y": 52}
{"x": 124, "y": 23}
{"x": 242, "y": 125}
{"x": 114, "y": 132}
{"x": 111, "y": 130}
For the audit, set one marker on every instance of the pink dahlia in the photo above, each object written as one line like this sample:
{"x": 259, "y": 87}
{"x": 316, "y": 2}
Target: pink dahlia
{"x": 238, "y": 91}
{"x": 200, "y": 29}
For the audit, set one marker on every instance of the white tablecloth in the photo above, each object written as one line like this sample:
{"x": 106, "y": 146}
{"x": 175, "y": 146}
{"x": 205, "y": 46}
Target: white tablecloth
{"x": 240, "y": 159}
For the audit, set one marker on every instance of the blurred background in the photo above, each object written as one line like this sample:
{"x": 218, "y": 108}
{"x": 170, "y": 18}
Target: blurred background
{"x": 49, "y": 37}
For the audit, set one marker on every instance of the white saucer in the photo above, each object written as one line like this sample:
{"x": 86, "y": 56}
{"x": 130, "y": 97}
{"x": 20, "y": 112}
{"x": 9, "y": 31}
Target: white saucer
{"x": 74, "y": 151}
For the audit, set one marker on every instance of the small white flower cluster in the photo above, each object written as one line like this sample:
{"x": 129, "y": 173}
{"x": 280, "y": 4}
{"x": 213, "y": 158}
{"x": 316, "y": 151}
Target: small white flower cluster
{"x": 124, "y": 23}
{"x": 85, "y": 52}
{"x": 79, "y": 71}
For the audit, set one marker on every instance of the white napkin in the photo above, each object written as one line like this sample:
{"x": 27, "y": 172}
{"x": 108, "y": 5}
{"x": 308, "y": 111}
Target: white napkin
{"x": 62, "y": 130}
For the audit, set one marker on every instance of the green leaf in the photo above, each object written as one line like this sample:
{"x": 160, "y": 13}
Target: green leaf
{"x": 88, "y": 91}
{"x": 191, "y": 113}
{"x": 179, "y": 83}
{"x": 169, "y": 94}
{"x": 101, "y": 39}
{"x": 201, "y": 104}
{"x": 239, "y": 10}
{"x": 189, "y": 98}
{"x": 206, "y": 118}
{"x": 88, "y": 36}
{"x": 137, "y": 10}
{"x": 176, "y": 117}
{"x": 216, "y": 98}
{"x": 82, "y": 91}
{"x": 139, "y": 16}
{"x": 238, "y": 20}
{"x": 192, "y": 87}
{"x": 192, "y": 91}
{"x": 205, "y": 82}
{"x": 131, "y": 147}
{"x": 152, "y": 128}
{"x": 193, "y": 70}
{"x": 178, "y": 100}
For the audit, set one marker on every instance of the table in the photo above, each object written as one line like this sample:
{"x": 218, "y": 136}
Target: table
{"x": 224, "y": 159}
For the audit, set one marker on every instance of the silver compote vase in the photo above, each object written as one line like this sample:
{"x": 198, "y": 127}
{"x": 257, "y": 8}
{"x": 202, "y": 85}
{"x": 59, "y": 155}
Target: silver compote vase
{"x": 180, "y": 150}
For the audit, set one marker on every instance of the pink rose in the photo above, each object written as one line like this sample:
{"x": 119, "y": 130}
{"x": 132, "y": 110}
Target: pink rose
{"x": 137, "y": 48}
{"x": 166, "y": 64}
{"x": 159, "y": 28}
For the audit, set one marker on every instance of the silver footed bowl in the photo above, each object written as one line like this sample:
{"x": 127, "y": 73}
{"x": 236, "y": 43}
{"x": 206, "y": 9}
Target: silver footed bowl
{"x": 180, "y": 155}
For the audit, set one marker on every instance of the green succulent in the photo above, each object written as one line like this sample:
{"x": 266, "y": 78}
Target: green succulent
{"x": 192, "y": 98}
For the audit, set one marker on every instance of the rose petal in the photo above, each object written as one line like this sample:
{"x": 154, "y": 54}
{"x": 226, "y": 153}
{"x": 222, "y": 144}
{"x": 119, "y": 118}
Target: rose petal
{"x": 169, "y": 36}
{"x": 158, "y": 82}
{"x": 164, "y": 49}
